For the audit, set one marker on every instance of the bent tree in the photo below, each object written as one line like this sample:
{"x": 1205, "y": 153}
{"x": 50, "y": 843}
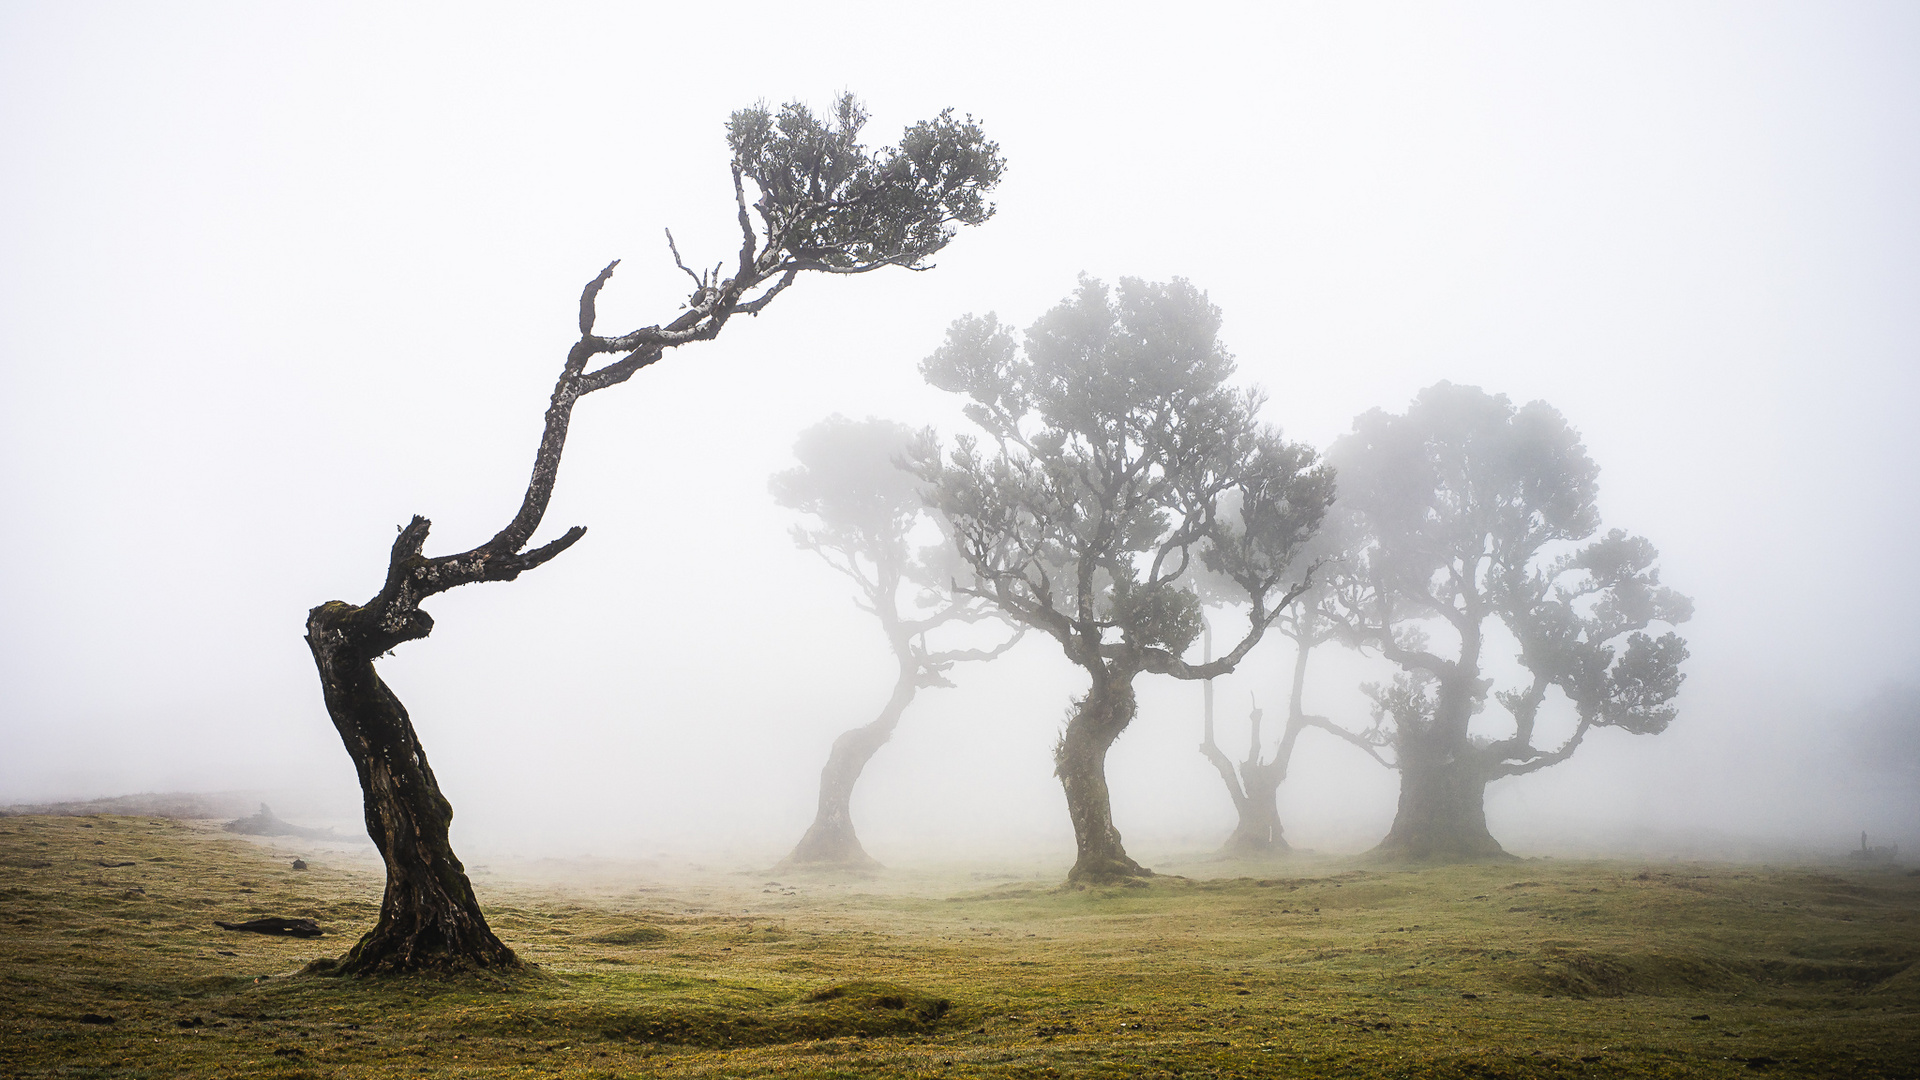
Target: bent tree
{"x": 1464, "y": 512}
{"x": 824, "y": 203}
{"x": 867, "y": 507}
{"x": 1119, "y": 449}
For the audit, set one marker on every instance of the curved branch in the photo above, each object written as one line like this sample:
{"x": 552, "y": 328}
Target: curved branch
{"x": 1224, "y": 764}
{"x": 949, "y": 657}
{"x": 1530, "y": 760}
{"x": 1162, "y": 662}
{"x": 1355, "y": 738}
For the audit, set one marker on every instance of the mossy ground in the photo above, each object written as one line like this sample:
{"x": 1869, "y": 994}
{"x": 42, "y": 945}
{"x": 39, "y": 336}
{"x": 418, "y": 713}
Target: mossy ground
{"x": 110, "y": 966}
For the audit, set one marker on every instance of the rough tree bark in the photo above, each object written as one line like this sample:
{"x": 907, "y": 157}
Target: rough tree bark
{"x": 429, "y": 919}
{"x": 1080, "y": 761}
{"x": 827, "y": 206}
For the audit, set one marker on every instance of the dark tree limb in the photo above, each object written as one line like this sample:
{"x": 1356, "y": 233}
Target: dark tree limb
{"x": 429, "y": 919}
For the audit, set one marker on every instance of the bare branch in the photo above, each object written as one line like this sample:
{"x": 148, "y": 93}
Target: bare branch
{"x": 747, "y": 239}
{"x": 1531, "y": 759}
{"x": 1160, "y": 661}
{"x": 1355, "y": 738}
{"x": 699, "y": 280}
{"x": 620, "y": 370}
{"x": 1224, "y": 765}
{"x": 953, "y": 656}
{"x": 752, "y": 307}
{"x": 589, "y": 295}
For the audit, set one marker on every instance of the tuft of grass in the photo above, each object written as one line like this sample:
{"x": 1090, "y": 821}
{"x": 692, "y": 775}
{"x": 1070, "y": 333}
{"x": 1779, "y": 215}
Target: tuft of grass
{"x": 110, "y": 965}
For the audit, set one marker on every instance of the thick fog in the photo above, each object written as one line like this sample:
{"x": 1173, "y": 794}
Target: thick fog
{"x": 272, "y": 280}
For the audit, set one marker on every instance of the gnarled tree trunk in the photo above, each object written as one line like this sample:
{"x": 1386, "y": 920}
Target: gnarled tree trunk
{"x": 1442, "y": 816}
{"x": 830, "y": 841}
{"x": 1255, "y": 788}
{"x": 1255, "y": 785}
{"x": 1258, "y": 832}
{"x": 1080, "y": 761}
{"x": 429, "y": 919}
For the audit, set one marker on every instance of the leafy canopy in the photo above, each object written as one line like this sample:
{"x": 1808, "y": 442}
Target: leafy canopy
{"x": 1121, "y": 456}
{"x": 866, "y": 509}
{"x": 1452, "y": 511}
{"x": 829, "y": 204}
{"x": 865, "y": 505}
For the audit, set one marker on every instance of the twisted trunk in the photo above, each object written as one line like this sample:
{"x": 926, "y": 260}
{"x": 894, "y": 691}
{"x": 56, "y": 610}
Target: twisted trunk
{"x": 1442, "y": 815}
{"x": 429, "y": 918}
{"x": 1080, "y": 761}
{"x": 830, "y": 840}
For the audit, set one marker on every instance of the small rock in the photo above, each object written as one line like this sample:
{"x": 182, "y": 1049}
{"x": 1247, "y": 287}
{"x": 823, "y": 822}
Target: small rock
{"x": 299, "y": 864}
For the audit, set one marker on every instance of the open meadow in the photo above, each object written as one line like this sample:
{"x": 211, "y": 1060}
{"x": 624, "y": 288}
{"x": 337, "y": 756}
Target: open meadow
{"x": 111, "y": 965}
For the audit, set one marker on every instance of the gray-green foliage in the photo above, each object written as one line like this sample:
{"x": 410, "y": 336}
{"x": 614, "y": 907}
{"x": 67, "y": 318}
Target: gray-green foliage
{"x": 1119, "y": 457}
{"x": 865, "y": 506}
{"x": 1456, "y": 509}
{"x": 829, "y": 204}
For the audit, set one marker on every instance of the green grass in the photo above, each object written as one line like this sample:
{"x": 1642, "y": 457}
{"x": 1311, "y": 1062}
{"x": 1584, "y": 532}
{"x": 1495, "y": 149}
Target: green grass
{"x": 1532, "y": 969}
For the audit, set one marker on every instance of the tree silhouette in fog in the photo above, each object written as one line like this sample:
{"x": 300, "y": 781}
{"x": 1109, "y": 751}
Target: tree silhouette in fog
{"x": 1465, "y": 510}
{"x": 1254, "y": 782}
{"x": 825, "y": 204}
{"x": 866, "y": 509}
{"x": 1118, "y": 452}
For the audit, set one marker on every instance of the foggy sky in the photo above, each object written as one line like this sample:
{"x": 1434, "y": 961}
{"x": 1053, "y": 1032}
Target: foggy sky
{"x": 273, "y": 280}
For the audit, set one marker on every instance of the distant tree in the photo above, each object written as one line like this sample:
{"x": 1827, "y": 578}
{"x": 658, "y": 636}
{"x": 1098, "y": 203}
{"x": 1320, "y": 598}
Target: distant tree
{"x": 1254, "y": 783}
{"x": 866, "y": 509}
{"x": 1464, "y": 510}
{"x": 824, "y": 204}
{"x": 1118, "y": 446}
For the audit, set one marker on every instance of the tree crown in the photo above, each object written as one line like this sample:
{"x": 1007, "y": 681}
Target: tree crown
{"x": 1450, "y": 512}
{"x": 852, "y": 481}
{"x": 827, "y": 203}
{"x": 1122, "y": 455}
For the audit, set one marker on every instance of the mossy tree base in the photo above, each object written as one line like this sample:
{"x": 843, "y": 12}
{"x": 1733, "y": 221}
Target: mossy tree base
{"x": 1442, "y": 816}
{"x": 1080, "y": 761}
{"x": 1111, "y": 869}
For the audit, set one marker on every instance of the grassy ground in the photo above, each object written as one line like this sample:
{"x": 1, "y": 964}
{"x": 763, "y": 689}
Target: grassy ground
{"x": 110, "y": 966}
